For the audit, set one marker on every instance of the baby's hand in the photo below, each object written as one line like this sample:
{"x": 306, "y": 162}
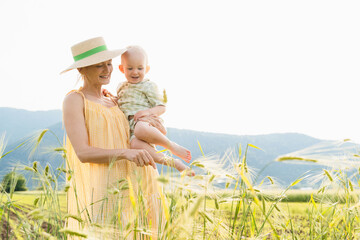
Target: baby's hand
{"x": 106, "y": 93}
{"x": 140, "y": 114}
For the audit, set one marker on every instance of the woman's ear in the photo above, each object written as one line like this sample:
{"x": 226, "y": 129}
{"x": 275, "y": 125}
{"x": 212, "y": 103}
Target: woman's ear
{"x": 147, "y": 68}
{"x": 121, "y": 67}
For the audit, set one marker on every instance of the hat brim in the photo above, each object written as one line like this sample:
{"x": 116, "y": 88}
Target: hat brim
{"x": 95, "y": 58}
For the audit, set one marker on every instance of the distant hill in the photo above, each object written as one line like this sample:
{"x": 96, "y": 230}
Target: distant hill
{"x": 18, "y": 123}
{"x": 272, "y": 145}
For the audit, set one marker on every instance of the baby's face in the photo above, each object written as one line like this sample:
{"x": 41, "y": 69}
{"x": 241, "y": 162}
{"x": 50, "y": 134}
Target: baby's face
{"x": 134, "y": 67}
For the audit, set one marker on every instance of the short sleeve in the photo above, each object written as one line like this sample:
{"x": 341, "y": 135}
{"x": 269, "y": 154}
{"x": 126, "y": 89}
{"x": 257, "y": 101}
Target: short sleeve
{"x": 153, "y": 94}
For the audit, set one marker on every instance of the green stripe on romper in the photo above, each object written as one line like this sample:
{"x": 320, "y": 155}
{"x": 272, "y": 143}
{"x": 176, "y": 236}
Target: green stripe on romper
{"x": 90, "y": 52}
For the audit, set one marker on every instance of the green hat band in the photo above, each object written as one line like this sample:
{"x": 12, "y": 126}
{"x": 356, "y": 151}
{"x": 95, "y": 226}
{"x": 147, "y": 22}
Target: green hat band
{"x": 90, "y": 52}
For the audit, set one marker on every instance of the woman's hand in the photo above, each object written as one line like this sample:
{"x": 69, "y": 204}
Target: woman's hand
{"x": 154, "y": 121}
{"x": 140, "y": 157}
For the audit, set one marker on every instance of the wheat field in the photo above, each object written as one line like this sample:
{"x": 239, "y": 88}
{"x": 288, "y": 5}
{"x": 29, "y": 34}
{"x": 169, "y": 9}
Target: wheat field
{"x": 196, "y": 207}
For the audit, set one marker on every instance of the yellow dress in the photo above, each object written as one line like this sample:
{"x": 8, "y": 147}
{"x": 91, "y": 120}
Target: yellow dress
{"x": 101, "y": 193}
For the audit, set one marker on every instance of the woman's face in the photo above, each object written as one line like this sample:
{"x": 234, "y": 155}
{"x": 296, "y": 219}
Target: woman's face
{"x": 98, "y": 74}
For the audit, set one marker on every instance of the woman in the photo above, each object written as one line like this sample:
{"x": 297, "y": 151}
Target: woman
{"x": 97, "y": 144}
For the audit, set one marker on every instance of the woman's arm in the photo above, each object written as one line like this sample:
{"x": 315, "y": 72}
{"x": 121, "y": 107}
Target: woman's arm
{"x": 155, "y": 122}
{"x": 157, "y": 110}
{"x": 154, "y": 111}
{"x": 74, "y": 122}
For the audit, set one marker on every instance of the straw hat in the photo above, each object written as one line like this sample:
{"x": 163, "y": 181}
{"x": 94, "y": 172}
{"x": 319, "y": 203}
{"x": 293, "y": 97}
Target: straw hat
{"x": 91, "y": 52}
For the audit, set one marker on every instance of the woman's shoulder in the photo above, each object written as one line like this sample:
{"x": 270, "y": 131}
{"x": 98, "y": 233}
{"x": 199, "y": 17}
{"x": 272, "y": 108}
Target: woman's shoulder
{"x": 73, "y": 98}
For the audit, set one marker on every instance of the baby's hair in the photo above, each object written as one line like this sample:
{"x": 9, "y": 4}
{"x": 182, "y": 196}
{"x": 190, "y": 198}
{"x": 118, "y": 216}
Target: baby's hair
{"x": 135, "y": 49}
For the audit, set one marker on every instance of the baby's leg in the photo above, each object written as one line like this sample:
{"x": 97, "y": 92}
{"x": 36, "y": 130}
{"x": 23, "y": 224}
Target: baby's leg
{"x": 159, "y": 157}
{"x": 143, "y": 131}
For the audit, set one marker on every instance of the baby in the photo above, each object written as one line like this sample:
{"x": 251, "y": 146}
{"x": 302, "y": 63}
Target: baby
{"x": 139, "y": 97}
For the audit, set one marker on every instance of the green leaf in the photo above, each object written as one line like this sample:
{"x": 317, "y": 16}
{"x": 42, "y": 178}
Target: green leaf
{"x": 271, "y": 180}
{"x": 253, "y": 146}
{"x": 296, "y": 182}
{"x": 328, "y": 175}
{"x": 163, "y": 180}
{"x": 202, "y": 152}
{"x": 351, "y": 186}
{"x": 73, "y": 233}
{"x": 161, "y": 151}
{"x": 216, "y": 204}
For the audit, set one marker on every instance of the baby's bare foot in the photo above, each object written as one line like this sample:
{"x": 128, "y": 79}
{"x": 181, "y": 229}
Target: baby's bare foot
{"x": 180, "y": 151}
{"x": 183, "y": 168}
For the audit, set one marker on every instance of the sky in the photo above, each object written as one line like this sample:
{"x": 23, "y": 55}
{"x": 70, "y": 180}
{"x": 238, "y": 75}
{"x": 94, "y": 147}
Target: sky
{"x": 237, "y": 67}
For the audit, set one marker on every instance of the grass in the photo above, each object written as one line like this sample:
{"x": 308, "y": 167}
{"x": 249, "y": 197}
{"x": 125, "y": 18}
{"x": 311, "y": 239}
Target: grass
{"x": 28, "y": 198}
{"x": 297, "y": 210}
{"x": 193, "y": 208}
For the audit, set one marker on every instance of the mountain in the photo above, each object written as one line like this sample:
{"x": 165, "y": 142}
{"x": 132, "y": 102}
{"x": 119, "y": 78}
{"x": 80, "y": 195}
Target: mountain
{"x": 272, "y": 146}
{"x": 17, "y": 123}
